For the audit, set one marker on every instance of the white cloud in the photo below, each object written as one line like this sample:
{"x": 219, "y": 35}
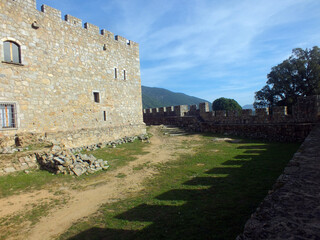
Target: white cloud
{"x": 227, "y": 46}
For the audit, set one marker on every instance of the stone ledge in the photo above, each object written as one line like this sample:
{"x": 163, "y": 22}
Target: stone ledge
{"x": 13, "y": 63}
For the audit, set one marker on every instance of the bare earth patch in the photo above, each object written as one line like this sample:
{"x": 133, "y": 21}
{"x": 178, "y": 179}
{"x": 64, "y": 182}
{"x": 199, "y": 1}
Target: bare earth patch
{"x": 22, "y": 202}
{"x": 112, "y": 186}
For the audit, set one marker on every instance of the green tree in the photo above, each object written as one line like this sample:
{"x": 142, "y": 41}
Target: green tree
{"x": 225, "y": 104}
{"x": 299, "y": 75}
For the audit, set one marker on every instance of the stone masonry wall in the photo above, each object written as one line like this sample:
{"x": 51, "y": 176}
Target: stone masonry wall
{"x": 291, "y": 209}
{"x": 62, "y": 65}
{"x": 272, "y": 124}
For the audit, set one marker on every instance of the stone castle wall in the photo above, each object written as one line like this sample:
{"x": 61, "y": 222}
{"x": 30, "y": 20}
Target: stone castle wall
{"x": 62, "y": 65}
{"x": 291, "y": 208}
{"x": 273, "y": 124}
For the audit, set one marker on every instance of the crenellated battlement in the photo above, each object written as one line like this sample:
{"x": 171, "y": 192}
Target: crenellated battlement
{"x": 52, "y": 12}
{"x": 271, "y": 124}
{"x": 56, "y": 15}
{"x": 26, "y": 3}
{"x": 307, "y": 110}
{"x": 120, "y": 39}
{"x": 73, "y": 20}
{"x": 92, "y": 28}
{"x": 107, "y": 33}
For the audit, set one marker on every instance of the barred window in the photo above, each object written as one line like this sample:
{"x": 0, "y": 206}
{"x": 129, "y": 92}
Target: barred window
{"x": 11, "y": 52}
{"x": 8, "y": 115}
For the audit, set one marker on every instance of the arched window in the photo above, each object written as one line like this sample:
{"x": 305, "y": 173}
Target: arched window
{"x": 11, "y": 52}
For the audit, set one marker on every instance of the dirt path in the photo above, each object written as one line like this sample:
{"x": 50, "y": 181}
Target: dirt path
{"x": 109, "y": 189}
{"x": 14, "y": 204}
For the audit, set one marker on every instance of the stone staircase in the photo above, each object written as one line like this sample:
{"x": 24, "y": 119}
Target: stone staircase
{"x": 172, "y": 130}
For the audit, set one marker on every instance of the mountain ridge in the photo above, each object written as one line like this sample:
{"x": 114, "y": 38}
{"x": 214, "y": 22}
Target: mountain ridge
{"x": 154, "y": 97}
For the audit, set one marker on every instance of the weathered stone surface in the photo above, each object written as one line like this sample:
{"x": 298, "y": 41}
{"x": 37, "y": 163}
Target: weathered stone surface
{"x": 55, "y": 148}
{"x": 8, "y": 150}
{"x": 9, "y": 170}
{"x": 24, "y": 166}
{"x": 276, "y": 125}
{"x": 67, "y": 163}
{"x": 291, "y": 210}
{"x": 72, "y": 162}
{"x": 78, "y": 170}
{"x": 62, "y": 66}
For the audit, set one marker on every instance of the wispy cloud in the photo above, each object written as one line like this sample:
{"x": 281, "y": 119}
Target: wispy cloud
{"x": 192, "y": 45}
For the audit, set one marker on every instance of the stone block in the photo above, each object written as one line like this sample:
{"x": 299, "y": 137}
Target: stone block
{"x": 24, "y": 166}
{"x": 9, "y": 169}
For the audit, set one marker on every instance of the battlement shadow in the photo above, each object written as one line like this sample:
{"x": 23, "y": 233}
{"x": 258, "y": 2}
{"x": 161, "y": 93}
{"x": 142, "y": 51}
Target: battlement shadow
{"x": 210, "y": 205}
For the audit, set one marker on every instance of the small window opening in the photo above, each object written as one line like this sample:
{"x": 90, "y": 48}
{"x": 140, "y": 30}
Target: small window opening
{"x": 124, "y": 74}
{"x": 11, "y": 52}
{"x": 8, "y": 115}
{"x": 115, "y": 73}
{"x": 104, "y": 116}
{"x": 96, "y": 97}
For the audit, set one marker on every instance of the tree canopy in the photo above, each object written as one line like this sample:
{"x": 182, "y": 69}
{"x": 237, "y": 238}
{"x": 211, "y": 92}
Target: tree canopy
{"x": 299, "y": 75}
{"x": 225, "y": 104}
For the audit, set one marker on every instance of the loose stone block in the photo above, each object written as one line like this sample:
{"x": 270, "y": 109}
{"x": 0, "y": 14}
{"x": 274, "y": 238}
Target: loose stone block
{"x": 9, "y": 169}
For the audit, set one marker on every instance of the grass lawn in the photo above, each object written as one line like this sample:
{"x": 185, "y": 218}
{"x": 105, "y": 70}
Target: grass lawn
{"x": 20, "y": 182}
{"x": 37, "y": 179}
{"x": 205, "y": 195}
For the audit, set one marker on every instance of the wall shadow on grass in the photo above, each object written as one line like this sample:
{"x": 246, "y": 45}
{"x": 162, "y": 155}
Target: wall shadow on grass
{"x": 213, "y": 206}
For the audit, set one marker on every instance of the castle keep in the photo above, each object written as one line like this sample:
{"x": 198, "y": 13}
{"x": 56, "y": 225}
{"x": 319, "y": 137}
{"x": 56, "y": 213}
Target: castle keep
{"x": 60, "y": 80}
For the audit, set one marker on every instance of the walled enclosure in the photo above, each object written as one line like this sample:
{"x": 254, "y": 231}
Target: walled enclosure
{"x": 73, "y": 84}
{"x": 272, "y": 124}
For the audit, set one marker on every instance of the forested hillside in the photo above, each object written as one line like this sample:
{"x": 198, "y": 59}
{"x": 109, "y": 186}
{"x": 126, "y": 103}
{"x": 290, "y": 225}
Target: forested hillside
{"x": 159, "y": 97}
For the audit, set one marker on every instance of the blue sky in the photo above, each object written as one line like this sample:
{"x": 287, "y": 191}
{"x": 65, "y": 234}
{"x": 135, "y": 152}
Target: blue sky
{"x": 205, "y": 48}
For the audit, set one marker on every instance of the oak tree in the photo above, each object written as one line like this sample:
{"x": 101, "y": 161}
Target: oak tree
{"x": 299, "y": 75}
{"x": 225, "y": 104}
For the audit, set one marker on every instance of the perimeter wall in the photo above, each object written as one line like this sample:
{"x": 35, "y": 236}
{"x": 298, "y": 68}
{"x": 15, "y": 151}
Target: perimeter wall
{"x": 272, "y": 124}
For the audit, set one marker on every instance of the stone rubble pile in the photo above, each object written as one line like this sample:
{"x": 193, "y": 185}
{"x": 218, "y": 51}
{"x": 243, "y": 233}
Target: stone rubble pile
{"x": 61, "y": 160}
{"x": 66, "y": 162}
{"x": 71, "y": 161}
